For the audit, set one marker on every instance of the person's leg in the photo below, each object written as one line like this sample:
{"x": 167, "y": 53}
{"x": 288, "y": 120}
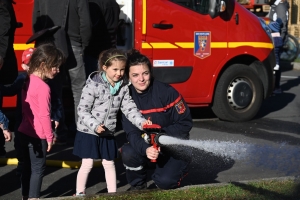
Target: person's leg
{"x": 169, "y": 172}
{"x": 91, "y": 64}
{"x": 82, "y": 176}
{"x": 19, "y": 155}
{"x": 77, "y": 76}
{"x": 277, "y": 78}
{"x": 26, "y": 171}
{"x": 136, "y": 172}
{"x": 2, "y": 145}
{"x": 37, "y": 153}
{"x": 110, "y": 175}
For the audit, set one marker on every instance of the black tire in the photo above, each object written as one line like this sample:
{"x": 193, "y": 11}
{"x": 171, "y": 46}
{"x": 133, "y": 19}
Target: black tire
{"x": 238, "y": 95}
{"x": 291, "y": 49}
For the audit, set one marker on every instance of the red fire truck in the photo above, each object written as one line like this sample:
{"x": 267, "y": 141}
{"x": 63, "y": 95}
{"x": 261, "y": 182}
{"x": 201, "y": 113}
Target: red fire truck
{"x": 215, "y": 53}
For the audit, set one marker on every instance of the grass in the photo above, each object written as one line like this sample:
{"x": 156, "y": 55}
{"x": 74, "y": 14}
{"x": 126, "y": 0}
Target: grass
{"x": 260, "y": 190}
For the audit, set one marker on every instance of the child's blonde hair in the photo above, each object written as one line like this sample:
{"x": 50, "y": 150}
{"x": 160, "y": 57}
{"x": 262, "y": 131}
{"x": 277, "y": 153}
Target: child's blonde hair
{"x": 47, "y": 53}
{"x": 106, "y": 57}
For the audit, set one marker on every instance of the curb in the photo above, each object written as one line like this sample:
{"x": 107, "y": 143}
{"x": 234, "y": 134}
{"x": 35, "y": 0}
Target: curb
{"x": 296, "y": 65}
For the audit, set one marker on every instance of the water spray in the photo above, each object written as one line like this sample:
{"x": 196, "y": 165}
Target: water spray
{"x": 152, "y": 135}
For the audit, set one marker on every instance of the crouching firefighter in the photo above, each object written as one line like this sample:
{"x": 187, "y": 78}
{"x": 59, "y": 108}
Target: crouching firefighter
{"x": 166, "y": 108}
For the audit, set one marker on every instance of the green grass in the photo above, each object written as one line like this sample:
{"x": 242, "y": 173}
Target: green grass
{"x": 297, "y": 60}
{"x": 262, "y": 190}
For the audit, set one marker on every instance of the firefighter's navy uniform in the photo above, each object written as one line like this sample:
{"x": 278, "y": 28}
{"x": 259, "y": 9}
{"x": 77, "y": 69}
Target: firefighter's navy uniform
{"x": 166, "y": 107}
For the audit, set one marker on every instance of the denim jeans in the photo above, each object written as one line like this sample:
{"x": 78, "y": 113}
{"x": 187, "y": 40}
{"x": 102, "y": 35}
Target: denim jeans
{"x": 75, "y": 64}
{"x": 34, "y": 155}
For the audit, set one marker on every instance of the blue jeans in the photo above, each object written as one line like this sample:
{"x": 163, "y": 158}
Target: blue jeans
{"x": 76, "y": 69}
{"x": 34, "y": 155}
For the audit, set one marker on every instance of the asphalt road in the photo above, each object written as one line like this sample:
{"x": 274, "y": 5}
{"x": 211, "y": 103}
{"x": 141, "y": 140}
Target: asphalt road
{"x": 266, "y": 147}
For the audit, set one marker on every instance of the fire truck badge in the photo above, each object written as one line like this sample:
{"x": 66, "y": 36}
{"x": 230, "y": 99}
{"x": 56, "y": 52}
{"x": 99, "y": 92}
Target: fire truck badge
{"x": 202, "y": 41}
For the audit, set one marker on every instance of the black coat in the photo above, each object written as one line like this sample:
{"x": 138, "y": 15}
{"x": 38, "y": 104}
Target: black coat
{"x": 8, "y": 25}
{"x": 166, "y": 107}
{"x": 47, "y": 14}
{"x": 105, "y": 18}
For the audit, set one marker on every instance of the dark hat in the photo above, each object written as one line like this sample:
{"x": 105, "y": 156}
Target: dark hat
{"x": 276, "y": 26}
{"x": 43, "y": 33}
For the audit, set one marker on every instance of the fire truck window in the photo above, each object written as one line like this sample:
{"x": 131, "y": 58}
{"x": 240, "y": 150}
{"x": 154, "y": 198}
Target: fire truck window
{"x": 200, "y": 6}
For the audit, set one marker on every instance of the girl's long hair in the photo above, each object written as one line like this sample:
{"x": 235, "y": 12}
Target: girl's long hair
{"x": 47, "y": 53}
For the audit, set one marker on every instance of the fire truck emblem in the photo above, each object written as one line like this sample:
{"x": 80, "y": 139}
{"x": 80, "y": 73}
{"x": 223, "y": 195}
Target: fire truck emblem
{"x": 202, "y": 45}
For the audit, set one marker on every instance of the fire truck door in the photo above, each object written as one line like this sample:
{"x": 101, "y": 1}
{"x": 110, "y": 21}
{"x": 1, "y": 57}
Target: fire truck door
{"x": 182, "y": 35}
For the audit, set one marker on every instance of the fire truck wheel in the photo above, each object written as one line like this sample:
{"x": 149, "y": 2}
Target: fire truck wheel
{"x": 238, "y": 95}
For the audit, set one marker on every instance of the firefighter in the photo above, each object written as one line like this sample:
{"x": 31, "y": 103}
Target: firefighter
{"x": 164, "y": 106}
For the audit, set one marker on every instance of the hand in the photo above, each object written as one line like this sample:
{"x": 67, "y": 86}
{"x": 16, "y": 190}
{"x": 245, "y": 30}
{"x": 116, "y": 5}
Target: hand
{"x": 100, "y": 128}
{"x": 56, "y": 124}
{"x": 148, "y": 122}
{"x": 152, "y": 153}
{"x": 7, "y": 135}
{"x": 49, "y": 146}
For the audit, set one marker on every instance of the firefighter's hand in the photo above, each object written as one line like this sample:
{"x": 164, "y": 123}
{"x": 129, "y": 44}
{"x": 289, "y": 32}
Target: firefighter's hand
{"x": 49, "y": 146}
{"x": 152, "y": 153}
{"x": 100, "y": 129}
{"x": 7, "y": 135}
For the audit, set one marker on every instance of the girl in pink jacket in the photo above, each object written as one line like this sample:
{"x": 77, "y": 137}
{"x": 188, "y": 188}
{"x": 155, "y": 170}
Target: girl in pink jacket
{"x": 35, "y": 129}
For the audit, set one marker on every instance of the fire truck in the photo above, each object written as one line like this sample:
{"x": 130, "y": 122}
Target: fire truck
{"x": 215, "y": 53}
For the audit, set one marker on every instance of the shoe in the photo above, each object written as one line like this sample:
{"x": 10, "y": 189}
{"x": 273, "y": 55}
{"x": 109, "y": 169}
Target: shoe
{"x": 59, "y": 142}
{"x": 276, "y": 67}
{"x": 277, "y": 91}
{"x": 139, "y": 187}
{"x": 80, "y": 194}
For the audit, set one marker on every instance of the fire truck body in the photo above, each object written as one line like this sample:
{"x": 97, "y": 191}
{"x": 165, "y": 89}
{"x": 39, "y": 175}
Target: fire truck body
{"x": 222, "y": 59}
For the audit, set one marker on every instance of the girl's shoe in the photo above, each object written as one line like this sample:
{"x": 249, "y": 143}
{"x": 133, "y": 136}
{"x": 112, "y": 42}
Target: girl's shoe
{"x": 80, "y": 194}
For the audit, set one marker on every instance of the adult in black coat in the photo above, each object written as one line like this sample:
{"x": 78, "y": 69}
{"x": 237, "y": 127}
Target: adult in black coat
{"x": 105, "y": 19}
{"x": 9, "y": 71}
{"x": 74, "y": 18}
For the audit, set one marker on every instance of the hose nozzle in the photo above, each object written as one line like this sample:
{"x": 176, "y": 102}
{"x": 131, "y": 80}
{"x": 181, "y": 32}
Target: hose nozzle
{"x": 156, "y": 138}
